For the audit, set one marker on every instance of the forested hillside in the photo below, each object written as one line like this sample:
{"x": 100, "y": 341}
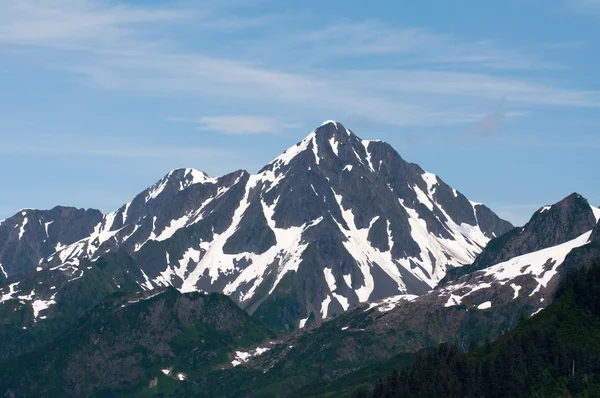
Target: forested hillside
{"x": 556, "y": 353}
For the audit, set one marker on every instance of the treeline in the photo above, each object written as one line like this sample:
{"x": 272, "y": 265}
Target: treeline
{"x": 554, "y": 354}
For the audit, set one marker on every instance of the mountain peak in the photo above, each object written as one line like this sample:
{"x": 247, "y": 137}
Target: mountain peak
{"x": 195, "y": 176}
{"x": 331, "y": 128}
{"x": 346, "y": 216}
{"x": 330, "y": 122}
{"x": 570, "y": 204}
{"x": 550, "y": 226}
{"x": 333, "y": 124}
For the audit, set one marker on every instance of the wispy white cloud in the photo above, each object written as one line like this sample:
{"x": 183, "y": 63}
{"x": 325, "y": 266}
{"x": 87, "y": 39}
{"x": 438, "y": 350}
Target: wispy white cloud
{"x": 75, "y": 22}
{"x": 471, "y": 85}
{"x": 368, "y": 37}
{"x": 400, "y": 97}
{"x": 120, "y": 47}
{"x": 419, "y": 46}
{"x": 244, "y": 124}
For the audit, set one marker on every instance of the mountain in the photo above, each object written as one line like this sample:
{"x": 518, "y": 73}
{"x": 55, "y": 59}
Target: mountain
{"x": 99, "y": 301}
{"x": 542, "y": 357}
{"x": 136, "y": 343}
{"x": 332, "y": 222}
{"x": 32, "y": 235}
{"x": 475, "y": 307}
{"x": 550, "y": 226}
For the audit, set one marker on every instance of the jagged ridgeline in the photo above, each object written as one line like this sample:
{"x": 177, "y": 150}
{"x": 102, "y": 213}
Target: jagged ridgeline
{"x": 332, "y": 222}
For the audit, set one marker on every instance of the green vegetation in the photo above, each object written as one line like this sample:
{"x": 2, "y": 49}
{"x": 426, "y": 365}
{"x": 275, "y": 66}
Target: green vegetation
{"x": 280, "y": 311}
{"x": 121, "y": 346}
{"x": 347, "y": 385}
{"x": 556, "y": 353}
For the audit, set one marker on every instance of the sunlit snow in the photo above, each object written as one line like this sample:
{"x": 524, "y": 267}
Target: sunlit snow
{"x": 390, "y": 303}
{"x": 535, "y": 263}
{"x": 11, "y": 290}
{"x": 243, "y": 357}
{"x": 41, "y": 305}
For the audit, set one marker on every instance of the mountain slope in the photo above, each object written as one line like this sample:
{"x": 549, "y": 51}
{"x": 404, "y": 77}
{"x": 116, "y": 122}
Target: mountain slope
{"x": 542, "y": 357}
{"x": 549, "y": 226}
{"x": 332, "y": 222}
{"x": 136, "y": 343}
{"x": 475, "y": 307}
{"x": 32, "y": 235}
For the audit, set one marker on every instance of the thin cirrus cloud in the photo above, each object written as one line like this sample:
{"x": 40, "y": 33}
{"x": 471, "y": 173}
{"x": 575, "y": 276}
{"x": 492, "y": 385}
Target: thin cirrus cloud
{"x": 244, "y": 124}
{"x": 69, "y": 22}
{"x": 417, "y": 45}
{"x": 115, "y": 47}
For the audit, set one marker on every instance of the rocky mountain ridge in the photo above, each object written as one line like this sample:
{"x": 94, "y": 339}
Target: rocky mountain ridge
{"x": 332, "y": 222}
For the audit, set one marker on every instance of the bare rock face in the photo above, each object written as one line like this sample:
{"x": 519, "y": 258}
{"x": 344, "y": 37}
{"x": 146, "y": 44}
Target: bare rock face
{"x": 32, "y": 235}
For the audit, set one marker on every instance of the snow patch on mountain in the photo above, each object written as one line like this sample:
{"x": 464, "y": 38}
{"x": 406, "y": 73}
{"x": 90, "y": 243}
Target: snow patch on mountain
{"x": 365, "y": 144}
{"x": 516, "y": 288}
{"x": 330, "y": 279}
{"x": 243, "y": 357}
{"x": 157, "y": 189}
{"x": 390, "y": 303}
{"x": 9, "y": 295}
{"x": 431, "y": 181}
{"x": 596, "y": 212}
{"x": 545, "y": 208}
{"x": 334, "y": 146}
{"x": 42, "y": 305}
{"x": 22, "y": 228}
{"x": 46, "y": 225}
{"x": 342, "y": 300}
{"x": 459, "y": 249}
{"x": 330, "y": 122}
{"x": 302, "y": 323}
{"x": 325, "y": 306}
{"x": 463, "y": 290}
{"x": 542, "y": 264}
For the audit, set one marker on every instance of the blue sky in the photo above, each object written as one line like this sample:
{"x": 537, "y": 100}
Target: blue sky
{"x": 102, "y": 98}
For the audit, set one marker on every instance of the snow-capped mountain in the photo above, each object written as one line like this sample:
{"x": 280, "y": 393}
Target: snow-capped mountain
{"x": 549, "y": 227}
{"x": 477, "y": 305}
{"x": 31, "y": 235}
{"x": 527, "y": 262}
{"x": 332, "y": 222}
